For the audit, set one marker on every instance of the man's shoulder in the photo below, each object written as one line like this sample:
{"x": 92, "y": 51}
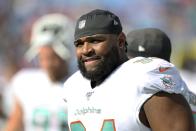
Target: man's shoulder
{"x": 153, "y": 74}
{"x": 75, "y": 77}
{"x": 73, "y": 85}
{"x": 147, "y": 64}
{"x": 147, "y": 61}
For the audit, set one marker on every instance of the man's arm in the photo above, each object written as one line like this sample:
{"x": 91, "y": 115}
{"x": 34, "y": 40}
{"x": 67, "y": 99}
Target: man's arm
{"x": 168, "y": 112}
{"x": 15, "y": 120}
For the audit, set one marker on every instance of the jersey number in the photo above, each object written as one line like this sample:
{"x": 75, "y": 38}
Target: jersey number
{"x": 42, "y": 119}
{"x": 108, "y": 125}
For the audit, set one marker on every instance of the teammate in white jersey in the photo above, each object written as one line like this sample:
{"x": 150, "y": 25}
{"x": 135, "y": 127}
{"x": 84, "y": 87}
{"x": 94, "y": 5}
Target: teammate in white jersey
{"x": 112, "y": 93}
{"x": 39, "y": 105}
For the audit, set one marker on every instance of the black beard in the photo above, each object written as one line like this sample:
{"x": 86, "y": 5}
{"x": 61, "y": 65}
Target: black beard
{"x": 108, "y": 63}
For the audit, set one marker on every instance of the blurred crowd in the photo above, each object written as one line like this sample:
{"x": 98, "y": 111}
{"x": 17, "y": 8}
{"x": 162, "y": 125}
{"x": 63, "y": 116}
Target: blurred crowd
{"x": 175, "y": 17}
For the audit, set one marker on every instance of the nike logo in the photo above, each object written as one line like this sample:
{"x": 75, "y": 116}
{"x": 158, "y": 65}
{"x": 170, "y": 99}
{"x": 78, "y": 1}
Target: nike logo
{"x": 163, "y": 69}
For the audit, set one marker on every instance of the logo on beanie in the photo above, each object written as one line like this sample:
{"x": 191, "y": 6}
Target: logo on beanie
{"x": 115, "y": 22}
{"x": 141, "y": 48}
{"x": 81, "y": 24}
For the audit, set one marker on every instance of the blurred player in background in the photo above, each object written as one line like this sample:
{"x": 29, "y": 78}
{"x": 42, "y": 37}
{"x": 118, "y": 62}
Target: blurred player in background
{"x": 38, "y": 104}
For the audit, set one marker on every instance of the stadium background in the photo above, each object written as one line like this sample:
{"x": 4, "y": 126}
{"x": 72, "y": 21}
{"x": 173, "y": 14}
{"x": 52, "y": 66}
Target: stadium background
{"x": 176, "y": 17}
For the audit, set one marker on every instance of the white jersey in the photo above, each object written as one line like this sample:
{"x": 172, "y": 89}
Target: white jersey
{"x": 41, "y": 101}
{"x": 115, "y": 104}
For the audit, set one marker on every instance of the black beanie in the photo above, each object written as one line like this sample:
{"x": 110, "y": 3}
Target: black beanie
{"x": 97, "y": 22}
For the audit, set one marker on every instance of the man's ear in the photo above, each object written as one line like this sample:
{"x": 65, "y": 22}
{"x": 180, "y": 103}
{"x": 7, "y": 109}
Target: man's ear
{"x": 122, "y": 40}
